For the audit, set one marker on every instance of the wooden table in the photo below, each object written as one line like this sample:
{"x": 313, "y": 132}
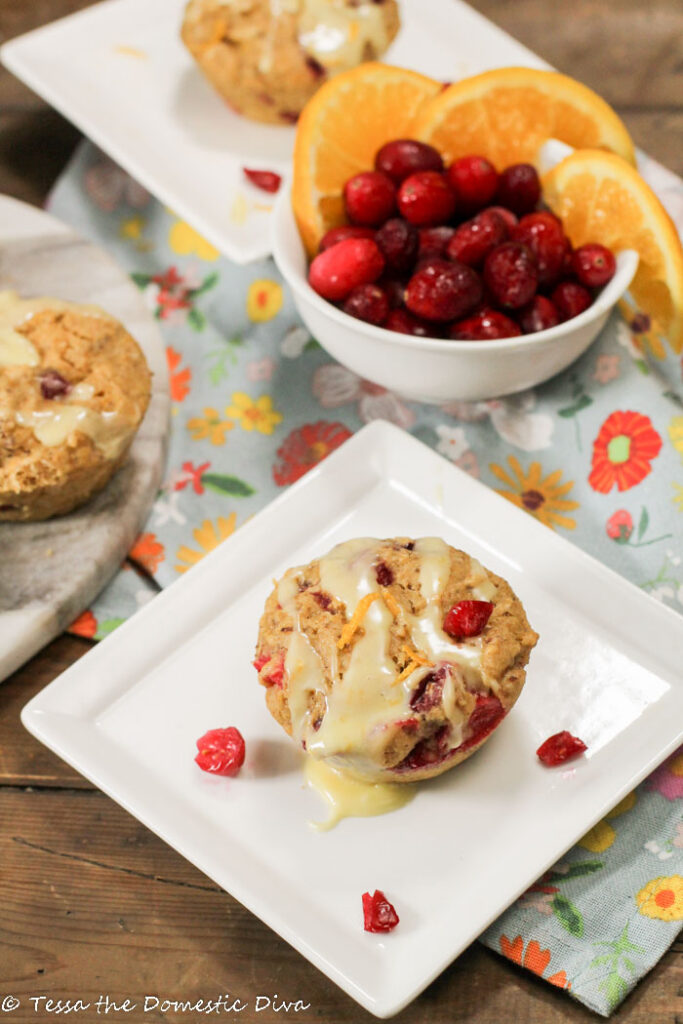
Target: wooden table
{"x": 93, "y": 904}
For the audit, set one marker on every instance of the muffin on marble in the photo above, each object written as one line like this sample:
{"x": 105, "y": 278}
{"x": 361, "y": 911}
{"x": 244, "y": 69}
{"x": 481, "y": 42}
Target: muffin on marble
{"x": 74, "y": 387}
{"x": 393, "y": 660}
{"x": 267, "y": 59}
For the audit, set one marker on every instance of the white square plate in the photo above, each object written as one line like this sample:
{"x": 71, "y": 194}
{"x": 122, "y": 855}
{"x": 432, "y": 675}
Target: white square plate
{"x": 607, "y": 668}
{"x": 119, "y": 71}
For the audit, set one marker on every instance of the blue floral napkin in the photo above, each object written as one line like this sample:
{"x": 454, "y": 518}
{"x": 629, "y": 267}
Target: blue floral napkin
{"x": 595, "y": 454}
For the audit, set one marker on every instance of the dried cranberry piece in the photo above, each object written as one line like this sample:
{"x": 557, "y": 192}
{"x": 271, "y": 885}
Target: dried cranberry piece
{"x": 443, "y": 290}
{"x": 267, "y": 181}
{"x": 378, "y": 913}
{"x": 53, "y": 385}
{"x": 426, "y": 199}
{"x": 324, "y": 600}
{"x": 335, "y": 272}
{"x": 221, "y": 751}
{"x": 260, "y": 660}
{"x": 519, "y": 188}
{"x": 428, "y": 751}
{"x": 560, "y": 748}
{"x": 488, "y": 713}
{"x": 429, "y": 691}
{"x": 370, "y": 198}
{"x": 384, "y": 574}
{"x": 277, "y": 674}
{"x": 403, "y": 157}
{"x": 344, "y": 231}
{"x": 398, "y": 242}
{"x": 594, "y": 265}
{"x": 467, "y": 618}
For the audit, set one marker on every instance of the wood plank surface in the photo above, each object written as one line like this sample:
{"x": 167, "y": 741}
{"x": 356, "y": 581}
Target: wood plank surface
{"x": 91, "y": 902}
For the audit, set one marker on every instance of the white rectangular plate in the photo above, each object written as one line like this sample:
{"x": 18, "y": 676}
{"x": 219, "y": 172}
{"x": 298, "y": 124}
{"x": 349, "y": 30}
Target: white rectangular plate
{"x": 607, "y": 668}
{"x": 119, "y": 71}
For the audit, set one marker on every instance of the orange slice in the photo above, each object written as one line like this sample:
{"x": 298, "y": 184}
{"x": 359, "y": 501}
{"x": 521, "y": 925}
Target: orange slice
{"x": 507, "y": 114}
{"x": 340, "y": 130}
{"x": 601, "y": 198}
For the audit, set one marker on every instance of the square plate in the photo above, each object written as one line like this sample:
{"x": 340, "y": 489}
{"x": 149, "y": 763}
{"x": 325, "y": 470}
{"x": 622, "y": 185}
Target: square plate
{"x": 607, "y": 668}
{"x": 120, "y": 72}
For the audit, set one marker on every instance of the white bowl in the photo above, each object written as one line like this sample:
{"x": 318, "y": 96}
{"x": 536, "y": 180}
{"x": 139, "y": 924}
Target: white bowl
{"x": 431, "y": 369}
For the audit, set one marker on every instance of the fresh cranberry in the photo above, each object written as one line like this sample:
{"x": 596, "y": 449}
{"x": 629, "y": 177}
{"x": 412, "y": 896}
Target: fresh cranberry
{"x": 378, "y": 913}
{"x": 443, "y": 291}
{"x": 344, "y": 231}
{"x": 570, "y": 299}
{"x": 335, "y": 272}
{"x": 519, "y": 188}
{"x": 370, "y": 198}
{"x": 475, "y": 239}
{"x": 403, "y": 322}
{"x": 398, "y": 242}
{"x": 429, "y": 691}
{"x": 404, "y": 157}
{"x": 510, "y": 274}
{"x": 594, "y": 265}
{"x": 395, "y": 290}
{"x": 221, "y": 751}
{"x": 53, "y": 385}
{"x": 467, "y": 618}
{"x": 560, "y": 748}
{"x": 539, "y": 315}
{"x": 474, "y": 180}
{"x": 488, "y": 713}
{"x": 486, "y": 325}
{"x": 508, "y": 216}
{"x": 544, "y": 235}
{"x": 368, "y": 302}
{"x": 434, "y": 241}
{"x": 267, "y": 181}
{"x": 426, "y": 199}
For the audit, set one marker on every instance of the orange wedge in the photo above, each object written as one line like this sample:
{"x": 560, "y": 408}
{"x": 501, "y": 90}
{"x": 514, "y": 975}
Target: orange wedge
{"x": 507, "y": 114}
{"x": 340, "y": 130}
{"x": 601, "y": 198}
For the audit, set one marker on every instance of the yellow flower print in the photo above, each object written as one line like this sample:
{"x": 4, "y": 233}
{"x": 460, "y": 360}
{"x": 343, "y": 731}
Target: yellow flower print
{"x": 542, "y": 497}
{"x": 602, "y": 836}
{"x": 132, "y": 228}
{"x": 211, "y": 426}
{"x": 184, "y": 240}
{"x": 254, "y": 415}
{"x": 662, "y": 898}
{"x": 264, "y": 300}
{"x": 208, "y": 536}
{"x": 676, "y": 433}
{"x": 678, "y": 497}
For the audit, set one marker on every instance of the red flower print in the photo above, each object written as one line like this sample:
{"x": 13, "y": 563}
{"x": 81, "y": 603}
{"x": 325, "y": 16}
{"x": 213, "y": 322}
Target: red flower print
{"x": 305, "y": 447}
{"x": 623, "y": 451}
{"x": 192, "y": 475}
{"x": 535, "y": 959}
{"x": 85, "y": 625}
{"x": 148, "y": 552}
{"x": 620, "y": 526}
{"x": 179, "y": 382}
{"x": 173, "y": 293}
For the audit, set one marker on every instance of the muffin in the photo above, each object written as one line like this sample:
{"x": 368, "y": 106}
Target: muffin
{"x": 74, "y": 387}
{"x": 393, "y": 660}
{"x": 267, "y": 59}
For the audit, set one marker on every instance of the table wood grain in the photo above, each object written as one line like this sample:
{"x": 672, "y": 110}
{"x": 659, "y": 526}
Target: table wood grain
{"x": 92, "y": 904}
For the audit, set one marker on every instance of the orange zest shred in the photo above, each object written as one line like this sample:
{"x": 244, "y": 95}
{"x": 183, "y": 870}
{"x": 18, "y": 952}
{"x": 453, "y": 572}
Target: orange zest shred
{"x": 417, "y": 656}
{"x": 391, "y": 603}
{"x": 354, "y": 622}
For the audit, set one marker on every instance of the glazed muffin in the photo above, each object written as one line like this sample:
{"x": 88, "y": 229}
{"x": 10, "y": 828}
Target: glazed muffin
{"x": 393, "y": 660}
{"x": 74, "y": 387}
{"x": 268, "y": 57}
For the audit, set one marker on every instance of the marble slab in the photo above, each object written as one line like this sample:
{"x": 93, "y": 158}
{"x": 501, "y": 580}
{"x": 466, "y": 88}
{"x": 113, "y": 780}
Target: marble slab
{"x": 51, "y": 571}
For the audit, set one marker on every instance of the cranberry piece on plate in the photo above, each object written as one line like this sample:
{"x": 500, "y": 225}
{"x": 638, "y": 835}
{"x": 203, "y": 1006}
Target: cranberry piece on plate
{"x": 474, "y": 180}
{"x": 426, "y": 199}
{"x": 467, "y": 618}
{"x": 221, "y": 751}
{"x": 378, "y": 913}
{"x": 443, "y": 291}
{"x": 570, "y": 299}
{"x": 560, "y": 748}
{"x": 403, "y": 157}
{"x": 519, "y": 188}
{"x": 335, "y": 272}
{"x": 267, "y": 181}
{"x": 594, "y": 265}
{"x": 368, "y": 302}
{"x": 370, "y": 198}
{"x": 510, "y": 274}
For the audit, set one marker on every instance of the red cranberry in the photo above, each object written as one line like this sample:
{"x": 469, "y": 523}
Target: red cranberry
{"x": 560, "y": 748}
{"x": 434, "y": 241}
{"x": 594, "y": 265}
{"x": 474, "y": 239}
{"x": 508, "y": 216}
{"x": 395, "y": 290}
{"x": 426, "y": 198}
{"x": 384, "y": 574}
{"x": 398, "y": 241}
{"x": 53, "y": 385}
{"x": 519, "y": 188}
{"x": 510, "y": 274}
{"x": 467, "y": 618}
{"x": 267, "y": 181}
{"x": 443, "y": 291}
{"x": 539, "y": 315}
{"x": 221, "y": 751}
{"x": 403, "y": 157}
{"x": 428, "y": 693}
{"x": 488, "y": 713}
{"x": 487, "y": 325}
{"x": 335, "y": 235}
{"x": 335, "y": 272}
{"x": 368, "y": 302}
{"x": 474, "y": 180}
{"x": 570, "y": 299}
{"x": 370, "y": 198}
{"x": 544, "y": 235}
{"x": 378, "y": 913}
{"x": 403, "y": 322}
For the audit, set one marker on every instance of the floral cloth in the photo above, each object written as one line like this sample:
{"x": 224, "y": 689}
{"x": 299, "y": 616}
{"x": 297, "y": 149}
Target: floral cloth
{"x": 596, "y": 454}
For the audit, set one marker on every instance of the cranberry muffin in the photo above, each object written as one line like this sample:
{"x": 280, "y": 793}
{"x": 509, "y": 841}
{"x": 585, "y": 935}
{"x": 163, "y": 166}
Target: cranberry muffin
{"x": 74, "y": 387}
{"x": 392, "y": 659}
{"x": 267, "y": 59}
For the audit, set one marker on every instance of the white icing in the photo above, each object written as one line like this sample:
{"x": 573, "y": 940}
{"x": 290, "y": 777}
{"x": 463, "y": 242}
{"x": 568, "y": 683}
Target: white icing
{"x": 53, "y": 425}
{"x": 347, "y": 797}
{"x": 15, "y": 348}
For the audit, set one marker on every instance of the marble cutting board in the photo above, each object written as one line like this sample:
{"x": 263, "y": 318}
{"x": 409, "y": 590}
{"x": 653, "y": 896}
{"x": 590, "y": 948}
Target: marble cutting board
{"x": 51, "y": 571}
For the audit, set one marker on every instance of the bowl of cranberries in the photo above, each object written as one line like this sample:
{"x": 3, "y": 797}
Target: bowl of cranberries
{"x": 450, "y": 282}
